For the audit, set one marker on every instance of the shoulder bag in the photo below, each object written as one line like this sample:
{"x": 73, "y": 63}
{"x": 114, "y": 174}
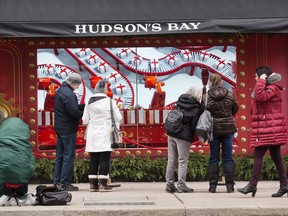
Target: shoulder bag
{"x": 115, "y": 133}
{"x": 204, "y": 127}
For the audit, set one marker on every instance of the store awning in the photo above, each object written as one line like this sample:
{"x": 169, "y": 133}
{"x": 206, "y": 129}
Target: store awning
{"x": 88, "y": 18}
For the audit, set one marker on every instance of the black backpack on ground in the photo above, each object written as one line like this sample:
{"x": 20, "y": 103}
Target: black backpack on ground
{"x": 50, "y": 195}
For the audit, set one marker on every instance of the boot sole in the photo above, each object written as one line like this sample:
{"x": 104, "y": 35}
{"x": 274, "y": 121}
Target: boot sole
{"x": 94, "y": 190}
{"x": 105, "y": 190}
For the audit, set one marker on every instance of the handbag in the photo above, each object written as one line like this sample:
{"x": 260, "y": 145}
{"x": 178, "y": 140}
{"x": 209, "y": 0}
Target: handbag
{"x": 50, "y": 195}
{"x": 204, "y": 127}
{"x": 116, "y": 134}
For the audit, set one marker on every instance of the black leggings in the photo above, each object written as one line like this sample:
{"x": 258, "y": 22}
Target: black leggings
{"x": 101, "y": 160}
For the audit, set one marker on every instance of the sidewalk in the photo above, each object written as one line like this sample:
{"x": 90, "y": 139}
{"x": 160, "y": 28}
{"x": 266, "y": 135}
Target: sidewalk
{"x": 134, "y": 199}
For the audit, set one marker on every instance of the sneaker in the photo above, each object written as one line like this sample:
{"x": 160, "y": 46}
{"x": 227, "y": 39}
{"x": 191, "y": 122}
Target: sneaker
{"x": 184, "y": 189}
{"x": 60, "y": 187}
{"x": 71, "y": 187}
{"x": 3, "y": 200}
{"x": 171, "y": 188}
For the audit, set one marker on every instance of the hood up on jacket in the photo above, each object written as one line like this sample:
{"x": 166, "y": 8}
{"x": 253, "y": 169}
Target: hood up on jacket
{"x": 16, "y": 156}
{"x": 187, "y": 102}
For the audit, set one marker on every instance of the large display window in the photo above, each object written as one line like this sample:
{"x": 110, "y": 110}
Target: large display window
{"x": 145, "y": 82}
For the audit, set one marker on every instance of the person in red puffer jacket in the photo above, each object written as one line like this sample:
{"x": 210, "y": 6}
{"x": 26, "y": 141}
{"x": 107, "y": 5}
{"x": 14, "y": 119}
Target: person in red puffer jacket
{"x": 269, "y": 130}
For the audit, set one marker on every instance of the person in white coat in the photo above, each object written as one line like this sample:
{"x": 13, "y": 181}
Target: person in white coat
{"x": 97, "y": 116}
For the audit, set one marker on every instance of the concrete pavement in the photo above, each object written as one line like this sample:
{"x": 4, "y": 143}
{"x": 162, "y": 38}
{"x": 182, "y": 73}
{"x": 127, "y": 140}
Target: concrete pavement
{"x": 135, "y": 199}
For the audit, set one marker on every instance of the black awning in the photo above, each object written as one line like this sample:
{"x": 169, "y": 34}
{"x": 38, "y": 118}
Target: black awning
{"x": 81, "y": 18}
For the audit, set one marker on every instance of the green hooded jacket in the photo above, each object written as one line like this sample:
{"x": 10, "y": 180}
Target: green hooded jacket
{"x": 17, "y": 160}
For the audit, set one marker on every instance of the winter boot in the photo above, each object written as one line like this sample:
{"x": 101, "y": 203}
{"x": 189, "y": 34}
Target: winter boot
{"x": 103, "y": 186}
{"x": 213, "y": 177}
{"x": 228, "y": 171}
{"x": 94, "y": 187}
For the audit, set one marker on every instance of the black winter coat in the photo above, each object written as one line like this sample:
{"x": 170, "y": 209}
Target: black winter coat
{"x": 223, "y": 106}
{"x": 192, "y": 111}
{"x": 67, "y": 112}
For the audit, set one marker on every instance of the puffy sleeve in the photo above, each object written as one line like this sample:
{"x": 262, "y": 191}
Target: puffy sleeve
{"x": 263, "y": 93}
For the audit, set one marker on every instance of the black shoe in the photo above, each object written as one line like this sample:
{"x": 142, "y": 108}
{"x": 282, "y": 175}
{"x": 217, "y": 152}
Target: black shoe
{"x": 248, "y": 189}
{"x": 230, "y": 188}
{"x": 184, "y": 189}
{"x": 212, "y": 188}
{"x": 70, "y": 187}
{"x": 171, "y": 188}
{"x": 283, "y": 190}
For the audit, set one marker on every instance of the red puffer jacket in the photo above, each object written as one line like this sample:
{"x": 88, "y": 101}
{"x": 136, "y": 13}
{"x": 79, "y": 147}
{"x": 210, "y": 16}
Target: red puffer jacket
{"x": 268, "y": 122}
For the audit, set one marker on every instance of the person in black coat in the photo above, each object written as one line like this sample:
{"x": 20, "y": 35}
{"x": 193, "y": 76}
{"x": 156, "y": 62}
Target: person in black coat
{"x": 179, "y": 143}
{"x": 67, "y": 115}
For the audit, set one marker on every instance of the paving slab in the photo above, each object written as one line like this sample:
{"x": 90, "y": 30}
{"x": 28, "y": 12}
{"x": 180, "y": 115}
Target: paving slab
{"x": 140, "y": 199}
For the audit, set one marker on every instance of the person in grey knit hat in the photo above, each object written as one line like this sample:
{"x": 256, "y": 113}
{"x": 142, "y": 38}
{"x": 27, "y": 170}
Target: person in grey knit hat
{"x": 97, "y": 116}
{"x": 74, "y": 79}
{"x": 101, "y": 87}
{"x": 67, "y": 114}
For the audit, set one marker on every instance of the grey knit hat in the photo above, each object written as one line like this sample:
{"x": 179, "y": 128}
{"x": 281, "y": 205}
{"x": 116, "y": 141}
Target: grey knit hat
{"x": 100, "y": 87}
{"x": 74, "y": 78}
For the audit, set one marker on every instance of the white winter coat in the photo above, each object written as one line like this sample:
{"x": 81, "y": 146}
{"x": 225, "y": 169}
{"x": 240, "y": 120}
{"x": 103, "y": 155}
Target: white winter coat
{"x": 97, "y": 116}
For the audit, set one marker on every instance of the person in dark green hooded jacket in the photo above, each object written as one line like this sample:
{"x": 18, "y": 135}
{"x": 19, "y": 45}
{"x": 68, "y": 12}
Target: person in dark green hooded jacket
{"x": 17, "y": 161}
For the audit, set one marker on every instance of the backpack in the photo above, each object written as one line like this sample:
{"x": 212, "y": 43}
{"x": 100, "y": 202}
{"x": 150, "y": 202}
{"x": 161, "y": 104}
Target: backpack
{"x": 174, "y": 121}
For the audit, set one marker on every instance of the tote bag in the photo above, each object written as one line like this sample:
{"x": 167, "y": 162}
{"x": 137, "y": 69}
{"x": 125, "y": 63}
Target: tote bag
{"x": 204, "y": 127}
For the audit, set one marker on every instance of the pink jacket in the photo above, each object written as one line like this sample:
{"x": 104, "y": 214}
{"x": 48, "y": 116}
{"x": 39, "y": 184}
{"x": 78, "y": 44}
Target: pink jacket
{"x": 268, "y": 122}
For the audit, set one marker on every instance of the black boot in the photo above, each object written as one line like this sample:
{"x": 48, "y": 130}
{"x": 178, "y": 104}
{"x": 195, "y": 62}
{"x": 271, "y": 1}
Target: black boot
{"x": 213, "y": 177}
{"x": 228, "y": 171}
{"x": 248, "y": 189}
{"x": 94, "y": 187}
{"x": 103, "y": 186}
{"x": 283, "y": 190}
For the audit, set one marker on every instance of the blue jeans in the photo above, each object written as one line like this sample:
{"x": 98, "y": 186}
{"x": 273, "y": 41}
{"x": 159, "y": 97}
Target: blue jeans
{"x": 226, "y": 141}
{"x": 65, "y": 156}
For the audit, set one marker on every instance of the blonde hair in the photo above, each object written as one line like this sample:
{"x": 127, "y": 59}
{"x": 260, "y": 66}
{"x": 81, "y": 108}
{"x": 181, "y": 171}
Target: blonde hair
{"x": 195, "y": 92}
{"x": 215, "y": 80}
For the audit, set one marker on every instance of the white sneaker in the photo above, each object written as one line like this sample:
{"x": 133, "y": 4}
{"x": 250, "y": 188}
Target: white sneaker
{"x": 3, "y": 200}
{"x": 30, "y": 200}
{"x": 26, "y": 200}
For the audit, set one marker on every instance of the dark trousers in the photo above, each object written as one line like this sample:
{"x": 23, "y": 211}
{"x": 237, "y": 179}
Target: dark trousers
{"x": 65, "y": 156}
{"x": 275, "y": 153}
{"x": 100, "y": 161}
